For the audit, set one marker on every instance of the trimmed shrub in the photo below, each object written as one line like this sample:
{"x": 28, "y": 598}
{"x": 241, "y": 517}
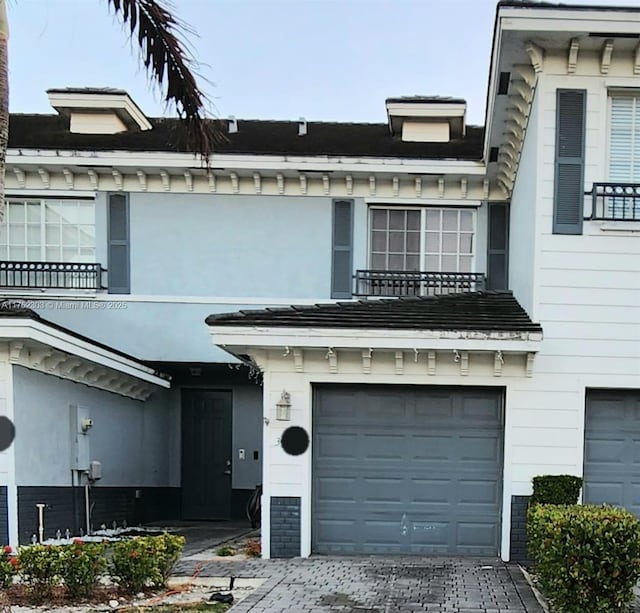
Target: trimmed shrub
{"x": 8, "y": 567}
{"x": 556, "y": 489}
{"x": 166, "y": 550}
{"x": 40, "y": 568}
{"x": 587, "y": 558}
{"x": 81, "y": 565}
{"x": 132, "y": 564}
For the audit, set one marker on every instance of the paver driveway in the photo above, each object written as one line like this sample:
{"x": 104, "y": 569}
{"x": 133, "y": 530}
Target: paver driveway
{"x": 378, "y": 585}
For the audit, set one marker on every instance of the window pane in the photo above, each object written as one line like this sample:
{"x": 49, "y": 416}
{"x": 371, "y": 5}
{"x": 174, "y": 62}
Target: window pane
{"x": 433, "y": 242}
{"x": 378, "y": 219}
{"x": 396, "y": 242}
{"x": 396, "y": 262}
{"x": 466, "y": 243}
{"x": 433, "y": 263}
{"x": 52, "y": 234}
{"x": 378, "y": 261}
{"x": 413, "y": 242}
{"x": 449, "y": 263}
{"x": 433, "y": 219}
{"x": 450, "y": 220}
{"x": 16, "y": 212}
{"x": 34, "y": 212}
{"x": 33, "y": 234}
{"x": 465, "y": 263}
{"x": 449, "y": 242}
{"x": 17, "y": 253}
{"x": 378, "y": 241}
{"x": 87, "y": 236}
{"x": 413, "y": 220}
{"x": 34, "y": 254}
{"x": 16, "y": 234}
{"x": 53, "y": 254}
{"x": 413, "y": 262}
{"x": 86, "y": 213}
{"x": 466, "y": 220}
{"x": 396, "y": 220}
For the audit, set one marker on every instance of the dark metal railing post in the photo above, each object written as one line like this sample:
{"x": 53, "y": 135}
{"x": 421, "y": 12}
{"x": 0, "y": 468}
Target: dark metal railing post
{"x": 390, "y": 283}
{"x": 50, "y": 275}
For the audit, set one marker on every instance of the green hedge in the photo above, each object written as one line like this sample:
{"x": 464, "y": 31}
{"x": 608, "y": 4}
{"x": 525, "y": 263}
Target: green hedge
{"x": 587, "y": 558}
{"x": 556, "y": 489}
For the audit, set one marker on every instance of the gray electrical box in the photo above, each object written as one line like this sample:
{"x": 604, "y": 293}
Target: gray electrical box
{"x": 80, "y": 424}
{"x": 95, "y": 470}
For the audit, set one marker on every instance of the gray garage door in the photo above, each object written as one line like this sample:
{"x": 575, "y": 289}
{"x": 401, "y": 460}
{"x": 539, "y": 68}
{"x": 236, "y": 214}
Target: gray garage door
{"x": 612, "y": 449}
{"x": 406, "y": 470}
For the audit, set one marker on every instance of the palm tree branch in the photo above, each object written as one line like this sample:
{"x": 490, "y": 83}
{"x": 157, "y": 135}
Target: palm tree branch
{"x": 169, "y": 62}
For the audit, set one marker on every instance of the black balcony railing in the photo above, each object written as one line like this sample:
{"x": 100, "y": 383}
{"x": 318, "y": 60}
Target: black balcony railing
{"x": 416, "y": 283}
{"x": 50, "y": 275}
{"x": 615, "y": 201}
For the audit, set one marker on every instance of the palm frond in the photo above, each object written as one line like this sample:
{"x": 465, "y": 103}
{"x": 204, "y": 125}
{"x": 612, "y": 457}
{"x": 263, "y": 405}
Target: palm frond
{"x": 159, "y": 35}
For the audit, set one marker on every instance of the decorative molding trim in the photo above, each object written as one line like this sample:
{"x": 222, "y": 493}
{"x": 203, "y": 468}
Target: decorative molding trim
{"x": 372, "y": 185}
{"x": 399, "y": 359}
{"x": 69, "y": 177}
{"x": 348, "y": 180}
{"x": 636, "y": 60}
{"x": 212, "y": 180}
{"x": 605, "y": 56}
{"x": 529, "y": 365}
{"x": 498, "y": 361}
{"x": 235, "y": 183}
{"x": 396, "y": 187}
{"x": 431, "y": 363}
{"x": 21, "y": 176}
{"x": 118, "y": 178}
{"x": 166, "y": 180}
{"x": 463, "y": 188}
{"x": 572, "y": 59}
{"x": 280, "y": 183}
{"x": 418, "y": 187}
{"x": 332, "y": 356}
{"x": 366, "y": 361}
{"x": 326, "y": 184}
{"x": 94, "y": 179}
{"x": 536, "y": 56}
{"x": 45, "y": 177}
{"x": 188, "y": 180}
{"x": 464, "y": 363}
{"x": 142, "y": 179}
{"x": 303, "y": 184}
{"x": 441, "y": 187}
{"x": 257, "y": 182}
{"x": 298, "y": 360}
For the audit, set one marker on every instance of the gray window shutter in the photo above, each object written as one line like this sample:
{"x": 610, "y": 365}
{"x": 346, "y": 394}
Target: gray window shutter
{"x": 118, "y": 272}
{"x": 342, "y": 249}
{"x": 568, "y": 205}
{"x": 498, "y": 246}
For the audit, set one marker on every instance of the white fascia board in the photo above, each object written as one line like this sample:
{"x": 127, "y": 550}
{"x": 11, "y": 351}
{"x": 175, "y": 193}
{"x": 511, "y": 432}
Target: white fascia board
{"x": 317, "y": 163}
{"x": 244, "y": 336}
{"x": 569, "y": 21}
{"x": 426, "y": 109}
{"x": 14, "y": 329}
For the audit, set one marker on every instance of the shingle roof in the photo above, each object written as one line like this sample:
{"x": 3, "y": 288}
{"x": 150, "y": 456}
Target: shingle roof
{"x": 420, "y": 98}
{"x": 253, "y": 137}
{"x": 104, "y": 91}
{"x": 482, "y": 311}
{"x": 535, "y": 4}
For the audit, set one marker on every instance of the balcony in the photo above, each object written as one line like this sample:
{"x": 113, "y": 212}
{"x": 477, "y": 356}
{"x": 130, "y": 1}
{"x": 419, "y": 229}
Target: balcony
{"x": 50, "y": 275}
{"x": 615, "y": 202}
{"x": 372, "y": 283}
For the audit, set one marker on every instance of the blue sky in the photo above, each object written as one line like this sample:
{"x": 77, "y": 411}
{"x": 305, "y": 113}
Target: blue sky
{"x": 269, "y": 59}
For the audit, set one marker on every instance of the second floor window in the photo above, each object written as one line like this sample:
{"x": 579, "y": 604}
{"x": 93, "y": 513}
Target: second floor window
{"x": 624, "y": 154}
{"x": 428, "y": 239}
{"x": 48, "y": 230}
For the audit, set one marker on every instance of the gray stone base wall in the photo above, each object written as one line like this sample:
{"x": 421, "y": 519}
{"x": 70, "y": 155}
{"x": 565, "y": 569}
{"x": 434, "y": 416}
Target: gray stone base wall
{"x": 65, "y": 508}
{"x": 518, "y": 537}
{"x": 285, "y": 526}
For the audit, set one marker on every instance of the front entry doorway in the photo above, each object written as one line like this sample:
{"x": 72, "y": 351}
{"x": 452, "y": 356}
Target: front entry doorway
{"x": 206, "y": 454}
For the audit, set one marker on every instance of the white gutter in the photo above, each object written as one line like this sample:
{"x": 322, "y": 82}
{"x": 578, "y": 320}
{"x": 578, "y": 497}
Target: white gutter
{"x": 26, "y": 328}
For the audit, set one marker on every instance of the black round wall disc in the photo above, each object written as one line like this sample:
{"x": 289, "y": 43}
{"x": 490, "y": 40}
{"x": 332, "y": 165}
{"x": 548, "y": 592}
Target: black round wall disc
{"x": 7, "y": 433}
{"x": 295, "y": 440}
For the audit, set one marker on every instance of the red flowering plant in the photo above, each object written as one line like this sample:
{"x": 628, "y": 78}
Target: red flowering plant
{"x": 81, "y": 565}
{"x": 8, "y": 567}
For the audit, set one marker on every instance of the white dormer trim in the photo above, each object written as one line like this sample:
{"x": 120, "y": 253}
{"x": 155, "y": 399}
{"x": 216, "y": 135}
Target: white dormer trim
{"x": 82, "y": 104}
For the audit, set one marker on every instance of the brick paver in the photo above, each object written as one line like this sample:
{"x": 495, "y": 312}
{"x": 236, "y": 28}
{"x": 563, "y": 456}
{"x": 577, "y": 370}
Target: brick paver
{"x": 377, "y": 584}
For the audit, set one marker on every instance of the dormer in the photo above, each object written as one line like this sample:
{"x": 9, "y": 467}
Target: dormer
{"x": 98, "y": 110}
{"x": 426, "y": 119}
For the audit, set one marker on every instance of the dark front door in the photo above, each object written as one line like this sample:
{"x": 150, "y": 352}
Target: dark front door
{"x": 206, "y": 454}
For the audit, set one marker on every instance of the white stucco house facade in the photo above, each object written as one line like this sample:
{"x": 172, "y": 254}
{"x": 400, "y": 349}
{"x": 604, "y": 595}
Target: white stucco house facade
{"x": 467, "y": 307}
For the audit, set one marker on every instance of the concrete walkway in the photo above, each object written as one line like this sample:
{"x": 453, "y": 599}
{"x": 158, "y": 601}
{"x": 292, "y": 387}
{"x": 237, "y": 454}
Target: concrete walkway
{"x": 376, "y": 584}
{"x": 203, "y": 535}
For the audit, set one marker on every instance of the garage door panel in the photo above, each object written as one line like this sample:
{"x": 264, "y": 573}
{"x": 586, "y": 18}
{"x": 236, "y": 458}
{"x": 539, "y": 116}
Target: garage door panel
{"x": 612, "y": 449}
{"x": 423, "y": 471}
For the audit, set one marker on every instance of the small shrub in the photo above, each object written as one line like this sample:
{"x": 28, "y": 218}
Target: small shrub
{"x": 225, "y": 551}
{"x": 253, "y": 549}
{"x": 133, "y": 566}
{"x": 587, "y": 558}
{"x": 40, "y": 568}
{"x": 81, "y": 565}
{"x": 556, "y": 489}
{"x": 166, "y": 550}
{"x": 8, "y": 567}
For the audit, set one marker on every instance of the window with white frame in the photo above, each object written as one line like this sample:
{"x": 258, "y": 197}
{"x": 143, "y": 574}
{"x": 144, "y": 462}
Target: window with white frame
{"x": 624, "y": 154}
{"x": 48, "y": 230}
{"x": 426, "y": 239}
